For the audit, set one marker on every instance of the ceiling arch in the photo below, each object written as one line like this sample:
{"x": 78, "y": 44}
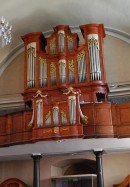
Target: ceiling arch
{"x": 20, "y": 48}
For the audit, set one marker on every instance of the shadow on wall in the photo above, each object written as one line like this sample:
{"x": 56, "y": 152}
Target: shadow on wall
{"x": 74, "y": 167}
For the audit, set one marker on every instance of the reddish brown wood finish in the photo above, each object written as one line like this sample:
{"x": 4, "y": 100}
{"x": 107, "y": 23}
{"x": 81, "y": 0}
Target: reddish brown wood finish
{"x": 125, "y": 183}
{"x": 89, "y": 88}
{"x": 13, "y": 182}
{"x": 104, "y": 120}
{"x": 99, "y": 120}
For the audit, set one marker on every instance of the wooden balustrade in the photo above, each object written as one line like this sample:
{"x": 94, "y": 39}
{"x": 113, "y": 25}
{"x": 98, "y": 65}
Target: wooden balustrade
{"x": 104, "y": 120}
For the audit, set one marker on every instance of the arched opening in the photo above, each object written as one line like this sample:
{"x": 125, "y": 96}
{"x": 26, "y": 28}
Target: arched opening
{"x": 82, "y": 167}
{"x": 74, "y": 173}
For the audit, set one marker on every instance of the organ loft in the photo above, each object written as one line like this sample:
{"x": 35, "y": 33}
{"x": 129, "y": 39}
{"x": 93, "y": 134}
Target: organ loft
{"x": 65, "y": 90}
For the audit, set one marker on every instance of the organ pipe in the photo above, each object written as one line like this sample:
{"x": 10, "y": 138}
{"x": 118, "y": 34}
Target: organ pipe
{"x": 94, "y": 60}
{"x": 56, "y": 115}
{"x": 70, "y": 44}
{"x": 62, "y": 71}
{"x": 61, "y": 35}
{"x": 81, "y": 66}
{"x": 71, "y": 71}
{"x": 39, "y": 106}
{"x": 72, "y": 109}
{"x": 48, "y": 119}
{"x": 53, "y": 73}
{"x": 43, "y": 71}
{"x": 31, "y": 65}
{"x": 53, "y": 46}
{"x": 63, "y": 117}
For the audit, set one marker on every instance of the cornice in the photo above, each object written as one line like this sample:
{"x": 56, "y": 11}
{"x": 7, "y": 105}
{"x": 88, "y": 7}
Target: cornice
{"x": 116, "y": 90}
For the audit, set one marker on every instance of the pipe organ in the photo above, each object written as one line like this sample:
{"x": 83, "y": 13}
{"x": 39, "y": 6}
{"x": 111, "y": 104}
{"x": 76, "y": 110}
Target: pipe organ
{"x": 65, "y": 90}
{"x": 31, "y": 62}
{"x": 60, "y": 74}
{"x": 57, "y": 62}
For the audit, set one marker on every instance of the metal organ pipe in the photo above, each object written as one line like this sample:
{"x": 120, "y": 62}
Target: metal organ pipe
{"x": 61, "y": 35}
{"x": 62, "y": 69}
{"x": 94, "y": 59}
{"x": 48, "y": 119}
{"x": 81, "y": 66}
{"x": 43, "y": 72}
{"x": 72, "y": 109}
{"x": 31, "y": 65}
{"x": 63, "y": 117}
{"x": 56, "y": 115}
{"x": 39, "y": 105}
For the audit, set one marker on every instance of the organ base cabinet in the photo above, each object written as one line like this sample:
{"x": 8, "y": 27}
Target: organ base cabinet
{"x": 88, "y": 180}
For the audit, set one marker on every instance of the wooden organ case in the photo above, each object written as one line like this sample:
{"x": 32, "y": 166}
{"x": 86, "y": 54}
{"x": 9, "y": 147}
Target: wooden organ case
{"x": 61, "y": 77}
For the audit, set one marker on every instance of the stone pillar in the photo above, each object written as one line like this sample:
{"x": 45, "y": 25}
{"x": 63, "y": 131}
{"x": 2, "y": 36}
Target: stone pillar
{"x": 100, "y": 179}
{"x": 36, "y": 169}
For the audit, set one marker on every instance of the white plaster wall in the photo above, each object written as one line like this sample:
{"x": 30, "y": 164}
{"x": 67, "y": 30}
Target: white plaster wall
{"x": 115, "y": 167}
{"x": 117, "y": 60}
{"x": 12, "y": 79}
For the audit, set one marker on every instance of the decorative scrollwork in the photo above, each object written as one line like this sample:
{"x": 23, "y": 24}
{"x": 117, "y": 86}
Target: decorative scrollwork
{"x": 70, "y": 39}
{"x": 56, "y": 130}
{"x": 93, "y": 41}
{"x": 63, "y": 113}
{"x": 52, "y": 68}
{"x": 43, "y": 60}
{"x": 52, "y": 42}
{"x": 47, "y": 115}
{"x": 85, "y": 119}
{"x": 71, "y": 65}
{"x": 39, "y": 93}
{"x": 31, "y": 50}
{"x": 71, "y": 90}
{"x": 80, "y": 55}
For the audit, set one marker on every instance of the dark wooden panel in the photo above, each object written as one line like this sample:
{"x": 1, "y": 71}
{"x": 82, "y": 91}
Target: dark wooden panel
{"x": 3, "y": 122}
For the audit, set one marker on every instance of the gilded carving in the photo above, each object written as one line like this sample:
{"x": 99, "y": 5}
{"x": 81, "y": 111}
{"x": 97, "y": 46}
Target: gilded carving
{"x": 52, "y": 42}
{"x": 47, "y": 131}
{"x": 93, "y": 41}
{"x": 39, "y": 93}
{"x": 47, "y": 115}
{"x": 43, "y": 60}
{"x": 70, "y": 39}
{"x": 70, "y": 90}
{"x": 31, "y": 50}
{"x": 65, "y": 129}
{"x": 52, "y": 68}
{"x": 85, "y": 120}
{"x": 63, "y": 113}
{"x": 71, "y": 65}
{"x": 56, "y": 130}
{"x": 80, "y": 55}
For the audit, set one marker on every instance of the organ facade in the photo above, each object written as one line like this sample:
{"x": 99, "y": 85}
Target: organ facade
{"x": 65, "y": 90}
